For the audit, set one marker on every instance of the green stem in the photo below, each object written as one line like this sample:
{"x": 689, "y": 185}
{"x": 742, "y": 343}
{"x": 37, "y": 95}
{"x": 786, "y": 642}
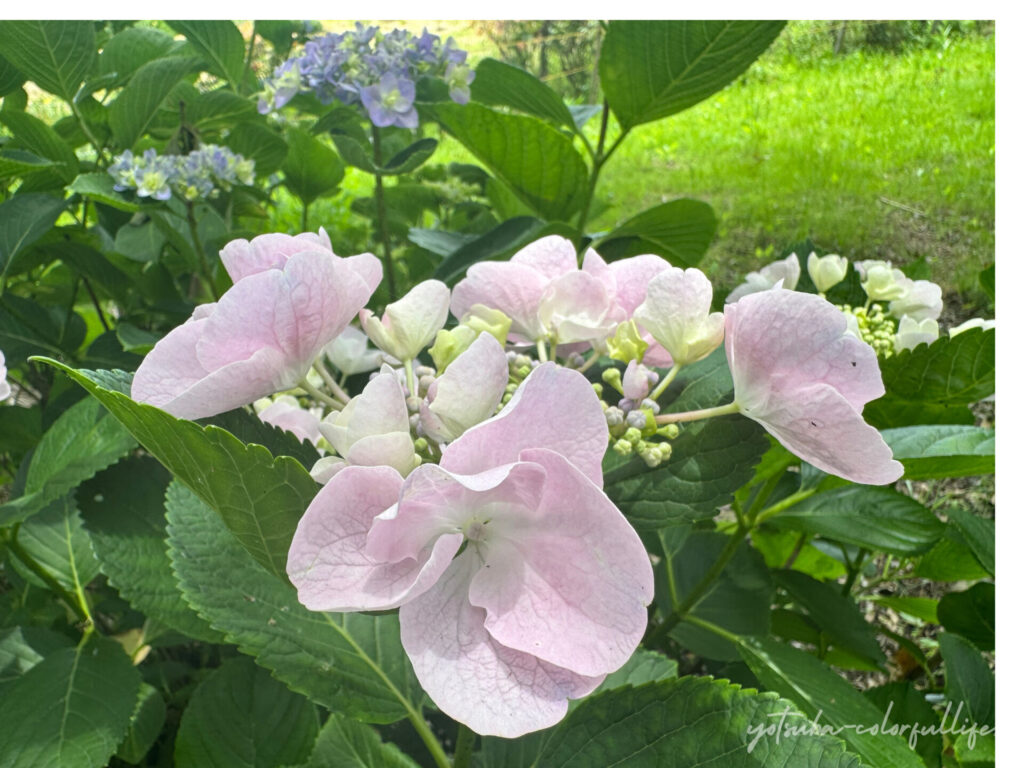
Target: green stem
{"x": 762, "y": 495}
{"x": 783, "y": 505}
{"x": 389, "y": 267}
{"x": 332, "y": 385}
{"x": 694, "y": 596}
{"x": 252, "y": 47}
{"x": 316, "y": 394}
{"x": 595, "y": 171}
{"x": 663, "y": 384}
{"x": 304, "y": 223}
{"x": 96, "y": 304}
{"x": 88, "y": 133}
{"x": 594, "y": 357}
{"x": 853, "y": 572}
{"x": 721, "y": 632}
{"x": 204, "y": 265}
{"x": 795, "y": 553}
{"x": 463, "y": 747}
{"x": 542, "y": 351}
{"x": 70, "y": 599}
{"x": 704, "y": 413}
{"x": 410, "y": 379}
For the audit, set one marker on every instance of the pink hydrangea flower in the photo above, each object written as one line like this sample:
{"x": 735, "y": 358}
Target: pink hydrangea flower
{"x": 786, "y": 270}
{"x": 242, "y": 258}
{"x": 799, "y": 373}
{"x": 677, "y": 313}
{"x": 548, "y": 595}
{"x": 260, "y": 338}
{"x": 286, "y": 413}
{"x": 411, "y": 323}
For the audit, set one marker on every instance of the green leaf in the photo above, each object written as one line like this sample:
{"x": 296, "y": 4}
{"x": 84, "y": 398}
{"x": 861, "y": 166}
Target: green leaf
{"x": 498, "y": 84}
{"x": 219, "y": 43}
{"x": 17, "y": 162}
{"x": 971, "y": 614}
{"x": 710, "y": 459}
{"x": 930, "y": 452}
{"x": 976, "y": 750}
{"x": 249, "y": 428}
{"x": 71, "y": 710}
{"x": 311, "y": 168}
{"x": 345, "y": 743}
{"x": 534, "y": 159}
{"x": 439, "y": 241}
{"x": 686, "y": 722}
{"x": 778, "y": 547}
{"x": 56, "y": 540}
{"x": 353, "y": 151}
{"x": 219, "y": 109}
{"x": 81, "y": 442}
{"x": 241, "y": 717}
{"x": 21, "y": 648}
{"x": 280, "y": 33}
{"x": 951, "y": 559}
{"x": 814, "y": 689}
{"x": 26, "y": 329}
{"x": 410, "y": 158}
{"x": 951, "y": 371}
{"x": 987, "y": 281}
{"x": 130, "y": 49}
{"x": 653, "y": 69}
{"x": 508, "y": 236}
{"x": 680, "y": 230}
{"x": 644, "y": 666}
{"x": 969, "y": 680}
{"x": 146, "y": 724}
{"x": 55, "y": 55}
{"x": 140, "y": 242}
{"x": 40, "y": 139}
{"x": 23, "y": 220}
{"x": 260, "y": 144}
{"x": 979, "y": 533}
{"x": 924, "y": 608}
{"x": 351, "y": 663}
{"x": 134, "y": 109}
{"x": 134, "y": 339}
{"x": 100, "y": 187}
{"x": 123, "y": 510}
{"x": 837, "y": 615}
{"x": 260, "y": 498}
{"x": 867, "y": 516}
{"x": 907, "y": 706}
{"x": 740, "y": 600}
{"x": 10, "y": 78}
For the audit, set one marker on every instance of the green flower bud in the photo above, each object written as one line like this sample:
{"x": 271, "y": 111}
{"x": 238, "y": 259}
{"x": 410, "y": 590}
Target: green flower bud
{"x": 613, "y": 378}
{"x": 494, "y": 321}
{"x": 626, "y": 344}
{"x": 450, "y": 344}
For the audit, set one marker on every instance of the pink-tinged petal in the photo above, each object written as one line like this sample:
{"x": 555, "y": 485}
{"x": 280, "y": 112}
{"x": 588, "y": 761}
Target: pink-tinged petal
{"x": 515, "y": 289}
{"x": 494, "y": 690}
{"x": 411, "y": 323}
{"x": 597, "y": 267}
{"x": 468, "y": 392}
{"x": 242, "y": 258}
{"x": 434, "y": 501}
{"x": 677, "y": 314}
{"x": 554, "y": 408}
{"x": 326, "y": 468}
{"x": 292, "y": 418}
{"x": 784, "y": 273}
{"x": 327, "y": 561}
{"x": 373, "y": 428}
{"x": 363, "y": 267}
{"x": 351, "y": 354}
{"x": 392, "y": 449}
{"x": 636, "y": 383}
{"x": 820, "y": 426}
{"x": 656, "y": 355}
{"x": 570, "y": 585}
{"x": 783, "y": 340}
{"x": 577, "y": 307}
{"x": 632, "y": 277}
{"x": 551, "y": 256}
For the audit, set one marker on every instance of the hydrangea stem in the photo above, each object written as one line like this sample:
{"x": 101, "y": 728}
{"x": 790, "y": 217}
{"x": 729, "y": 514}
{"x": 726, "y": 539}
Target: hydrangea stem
{"x": 783, "y": 505}
{"x": 663, "y": 384}
{"x": 204, "y": 265}
{"x": 316, "y": 394}
{"x": 463, "y": 747}
{"x": 542, "y": 351}
{"x": 704, "y": 413}
{"x": 378, "y": 161}
{"x": 332, "y": 385}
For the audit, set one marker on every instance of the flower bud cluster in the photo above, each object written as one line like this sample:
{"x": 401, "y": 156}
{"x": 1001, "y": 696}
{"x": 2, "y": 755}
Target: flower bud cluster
{"x": 378, "y": 70}
{"x": 875, "y": 327}
{"x": 631, "y": 422}
{"x": 519, "y": 367}
{"x": 201, "y": 173}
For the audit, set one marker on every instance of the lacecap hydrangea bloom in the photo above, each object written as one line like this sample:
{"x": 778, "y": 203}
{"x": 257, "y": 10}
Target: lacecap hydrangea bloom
{"x": 519, "y": 584}
{"x": 199, "y": 174}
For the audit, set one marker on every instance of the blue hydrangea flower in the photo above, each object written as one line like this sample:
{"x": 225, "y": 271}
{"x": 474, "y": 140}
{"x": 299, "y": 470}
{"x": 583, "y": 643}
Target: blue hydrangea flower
{"x": 390, "y": 102}
{"x": 197, "y": 175}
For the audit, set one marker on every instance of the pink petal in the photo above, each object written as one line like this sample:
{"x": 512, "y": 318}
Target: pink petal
{"x": 411, "y": 323}
{"x": 242, "y": 258}
{"x": 300, "y": 422}
{"x": 551, "y": 256}
{"x": 327, "y": 561}
{"x": 677, "y": 314}
{"x": 513, "y": 288}
{"x": 391, "y": 449}
{"x": 468, "y": 392}
{"x": 570, "y": 585}
{"x": 632, "y": 276}
{"x": 595, "y": 266}
{"x": 577, "y": 307}
{"x": 494, "y": 690}
{"x": 784, "y": 340}
{"x": 823, "y": 428}
{"x": 635, "y": 383}
{"x": 554, "y": 408}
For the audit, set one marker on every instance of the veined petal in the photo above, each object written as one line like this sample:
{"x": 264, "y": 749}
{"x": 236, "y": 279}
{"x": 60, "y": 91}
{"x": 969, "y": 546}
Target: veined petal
{"x": 513, "y": 288}
{"x": 551, "y": 256}
{"x": 242, "y": 258}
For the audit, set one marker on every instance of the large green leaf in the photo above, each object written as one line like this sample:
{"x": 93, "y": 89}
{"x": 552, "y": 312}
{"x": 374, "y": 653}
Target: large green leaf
{"x": 867, "y": 516}
{"x": 969, "y": 680}
{"x": 906, "y": 705}
{"x": 55, "y": 55}
{"x": 311, "y": 168}
{"x": 146, "y": 724}
{"x": 219, "y": 43}
{"x": 28, "y": 329}
{"x": 710, "y": 459}
{"x": 498, "y": 84}
{"x": 216, "y": 110}
{"x": 260, "y": 144}
{"x": 979, "y": 533}
{"x": 948, "y": 450}
{"x": 81, "y": 442}
{"x": 21, "y": 648}
{"x": 71, "y": 709}
{"x": 260, "y": 497}
{"x": 123, "y": 510}
{"x": 653, "y": 69}
{"x": 504, "y": 239}
{"x": 100, "y": 187}
{"x": 951, "y": 559}
{"x": 10, "y": 78}
{"x": 18, "y": 162}
{"x": 971, "y": 614}
{"x": 532, "y": 158}
{"x": 778, "y": 548}
{"x": 56, "y": 541}
{"x": 240, "y": 717}
{"x": 129, "y": 49}
{"x": 134, "y": 109}
{"x": 345, "y": 743}
{"x": 40, "y": 139}
{"x": 686, "y": 723}
{"x": 680, "y": 230}
{"x": 351, "y": 663}
{"x": 23, "y": 220}
{"x": 837, "y": 615}
{"x": 739, "y": 600}
{"x": 821, "y": 694}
